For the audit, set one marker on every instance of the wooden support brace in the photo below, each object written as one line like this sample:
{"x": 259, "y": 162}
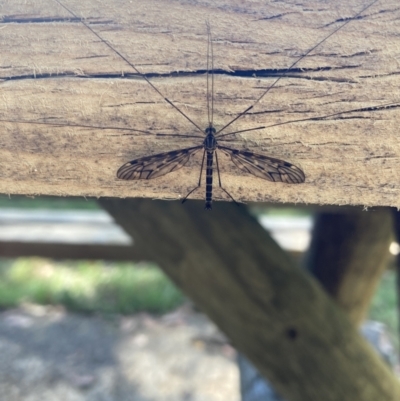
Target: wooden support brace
{"x": 274, "y": 312}
{"x": 348, "y": 254}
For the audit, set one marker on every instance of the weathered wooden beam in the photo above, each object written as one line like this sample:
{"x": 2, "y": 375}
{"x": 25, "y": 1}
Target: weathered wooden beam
{"x": 273, "y": 312}
{"x": 348, "y": 253}
{"x": 55, "y": 71}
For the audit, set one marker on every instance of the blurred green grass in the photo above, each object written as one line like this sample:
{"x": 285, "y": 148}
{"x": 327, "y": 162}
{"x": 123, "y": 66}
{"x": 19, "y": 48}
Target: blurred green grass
{"x": 82, "y": 286}
{"x": 87, "y": 286}
{"x": 98, "y": 286}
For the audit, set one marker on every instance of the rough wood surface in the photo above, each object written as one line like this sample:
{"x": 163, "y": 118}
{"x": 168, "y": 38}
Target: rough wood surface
{"x": 54, "y": 70}
{"x": 274, "y": 312}
{"x": 349, "y": 252}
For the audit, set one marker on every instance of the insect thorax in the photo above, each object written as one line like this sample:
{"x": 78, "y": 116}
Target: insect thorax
{"x": 210, "y": 143}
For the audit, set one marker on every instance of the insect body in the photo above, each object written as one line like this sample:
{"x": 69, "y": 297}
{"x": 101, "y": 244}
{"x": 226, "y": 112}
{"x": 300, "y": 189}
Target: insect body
{"x": 210, "y": 145}
{"x": 259, "y": 165}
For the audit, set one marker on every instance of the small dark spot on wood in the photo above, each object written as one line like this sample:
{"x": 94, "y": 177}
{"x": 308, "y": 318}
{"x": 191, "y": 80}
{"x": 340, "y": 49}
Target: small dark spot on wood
{"x": 292, "y": 333}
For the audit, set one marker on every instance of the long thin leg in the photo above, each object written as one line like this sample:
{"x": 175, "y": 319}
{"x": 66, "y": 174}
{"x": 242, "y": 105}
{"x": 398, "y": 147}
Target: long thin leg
{"x": 82, "y": 21}
{"x": 346, "y": 21}
{"x": 198, "y": 186}
{"x": 318, "y": 118}
{"x": 239, "y": 132}
{"x": 219, "y": 180}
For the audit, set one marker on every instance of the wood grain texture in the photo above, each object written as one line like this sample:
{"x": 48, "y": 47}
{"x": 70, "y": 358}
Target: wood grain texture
{"x": 275, "y": 313}
{"x": 53, "y": 70}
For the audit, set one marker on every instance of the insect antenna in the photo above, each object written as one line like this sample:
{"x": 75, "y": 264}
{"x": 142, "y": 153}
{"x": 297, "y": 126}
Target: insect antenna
{"x": 285, "y": 73}
{"x": 210, "y": 50}
{"x": 129, "y": 63}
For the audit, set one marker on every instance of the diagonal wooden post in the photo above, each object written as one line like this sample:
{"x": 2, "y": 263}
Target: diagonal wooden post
{"x": 273, "y": 312}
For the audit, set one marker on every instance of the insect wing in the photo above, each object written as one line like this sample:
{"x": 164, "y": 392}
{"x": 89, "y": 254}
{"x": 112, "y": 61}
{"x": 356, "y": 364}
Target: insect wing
{"x": 155, "y": 166}
{"x": 265, "y": 167}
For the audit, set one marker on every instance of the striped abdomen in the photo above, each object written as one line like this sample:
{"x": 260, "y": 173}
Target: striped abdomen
{"x": 209, "y": 180}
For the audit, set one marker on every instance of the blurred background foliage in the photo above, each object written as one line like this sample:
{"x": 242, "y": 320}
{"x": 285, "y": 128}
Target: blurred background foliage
{"x": 124, "y": 288}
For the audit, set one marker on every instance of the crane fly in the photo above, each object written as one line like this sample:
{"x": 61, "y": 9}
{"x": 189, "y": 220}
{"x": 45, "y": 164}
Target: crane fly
{"x": 266, "y": 167}
{"x": 262, "y": 166}
{"x": 259, "y": 165}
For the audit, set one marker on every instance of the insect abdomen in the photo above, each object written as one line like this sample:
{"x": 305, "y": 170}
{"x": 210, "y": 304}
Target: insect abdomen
{"x": 209, "y": 180}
